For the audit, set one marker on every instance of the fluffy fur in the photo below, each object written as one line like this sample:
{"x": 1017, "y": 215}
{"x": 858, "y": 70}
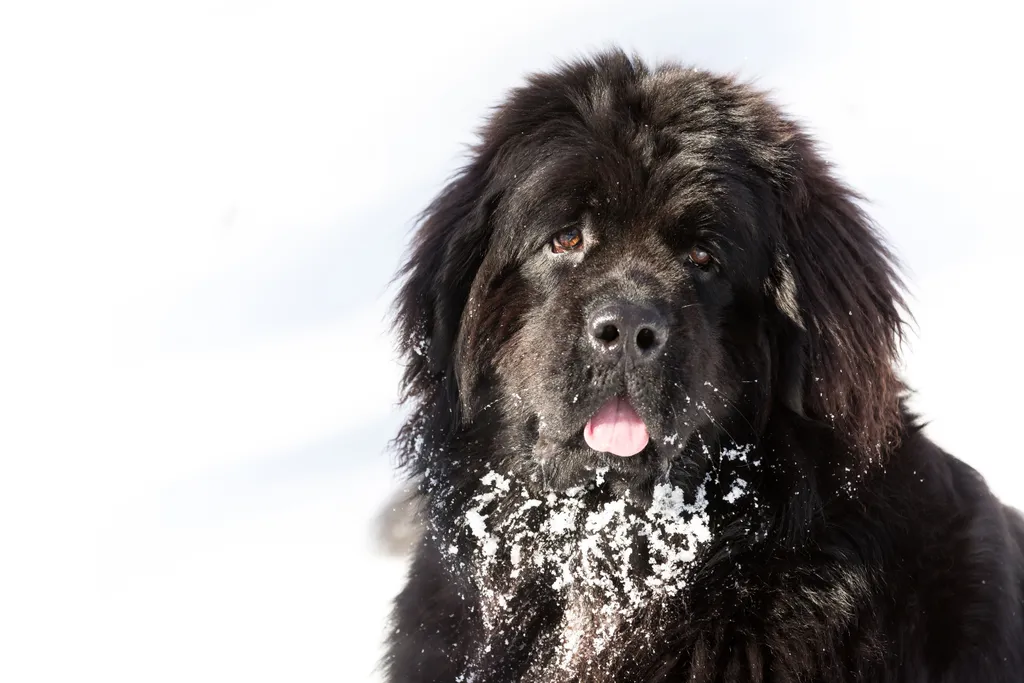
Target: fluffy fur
{"x": 788, "y": 520}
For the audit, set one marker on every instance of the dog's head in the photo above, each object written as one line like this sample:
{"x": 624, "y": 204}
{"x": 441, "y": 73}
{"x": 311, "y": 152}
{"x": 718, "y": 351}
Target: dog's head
{"x": 634, "y": 265}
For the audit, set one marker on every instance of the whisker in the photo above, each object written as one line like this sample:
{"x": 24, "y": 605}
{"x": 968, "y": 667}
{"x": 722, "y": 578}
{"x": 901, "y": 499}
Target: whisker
{"x": 703, "y": 406}
{"x": 732, "y": 405}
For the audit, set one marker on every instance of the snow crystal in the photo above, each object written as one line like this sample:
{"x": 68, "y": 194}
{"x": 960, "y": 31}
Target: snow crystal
{"x": 477, "y": 524}
{"x": 596, "y": 521}
{"x": 561, "y": 521}
{"x": 419, "y": 344}
{"x": 738, "y": 489}
{"x": 496, "y": 480}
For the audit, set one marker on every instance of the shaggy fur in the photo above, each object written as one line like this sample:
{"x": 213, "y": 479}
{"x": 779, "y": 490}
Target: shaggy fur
{"x": 788, "y": 520}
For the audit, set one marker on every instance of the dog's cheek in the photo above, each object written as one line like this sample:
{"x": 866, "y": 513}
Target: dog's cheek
{"x": 534, "y": 366}
{"x": 492, "y": 317}
{"x": 735, "y": 373}
{"x": 711, "y": 374}
{"x": 519, "y": 362}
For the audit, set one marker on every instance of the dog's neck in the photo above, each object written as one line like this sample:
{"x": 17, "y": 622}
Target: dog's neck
{"x": 586, "y": 569}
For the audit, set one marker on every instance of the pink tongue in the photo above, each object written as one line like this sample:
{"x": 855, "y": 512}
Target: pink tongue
{"x": 617, "y": 429}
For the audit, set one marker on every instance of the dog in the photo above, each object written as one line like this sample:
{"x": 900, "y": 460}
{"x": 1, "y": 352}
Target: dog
{"x": 656, "y": 427}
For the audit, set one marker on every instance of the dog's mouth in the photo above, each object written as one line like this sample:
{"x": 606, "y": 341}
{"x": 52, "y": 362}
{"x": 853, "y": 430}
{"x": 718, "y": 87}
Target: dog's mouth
{"x": 620, "y": 432}
{"x": 616, "y": 428}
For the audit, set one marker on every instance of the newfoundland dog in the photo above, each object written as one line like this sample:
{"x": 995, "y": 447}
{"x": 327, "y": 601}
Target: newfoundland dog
{"x": 656, "y": 424}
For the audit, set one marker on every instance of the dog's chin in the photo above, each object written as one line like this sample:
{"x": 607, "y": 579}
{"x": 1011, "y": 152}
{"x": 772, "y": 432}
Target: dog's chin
{"x": 566, "y": 464}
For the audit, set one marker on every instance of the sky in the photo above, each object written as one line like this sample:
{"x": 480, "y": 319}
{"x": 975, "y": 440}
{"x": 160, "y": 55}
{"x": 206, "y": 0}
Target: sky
{"x": 202, "y": 205}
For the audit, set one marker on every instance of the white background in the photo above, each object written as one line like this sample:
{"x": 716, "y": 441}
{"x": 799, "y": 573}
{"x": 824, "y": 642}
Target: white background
{"x": 201, "y": 206}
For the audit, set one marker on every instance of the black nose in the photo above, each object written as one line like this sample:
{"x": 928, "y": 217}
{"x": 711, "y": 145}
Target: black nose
{"x": 628, "y": 329}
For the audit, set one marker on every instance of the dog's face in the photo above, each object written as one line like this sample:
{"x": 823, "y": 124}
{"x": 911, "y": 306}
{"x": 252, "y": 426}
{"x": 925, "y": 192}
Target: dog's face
{"x": 629, "y": 300}
{"x": 635, "y": 267}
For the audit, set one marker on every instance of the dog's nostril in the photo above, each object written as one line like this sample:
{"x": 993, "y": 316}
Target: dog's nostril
{"x": 646, "y": 339}
{"x": 608, "y": 333}
{"x": 624, "y": 329}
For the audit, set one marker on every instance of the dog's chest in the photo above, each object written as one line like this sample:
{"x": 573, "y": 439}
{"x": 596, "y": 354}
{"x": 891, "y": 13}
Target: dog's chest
{"x": 585, "y": 643}
{"x": 589, "y": 577}
{"x": 590, "y": 638}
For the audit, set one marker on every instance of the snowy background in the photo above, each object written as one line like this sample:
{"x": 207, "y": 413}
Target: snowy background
{"x": 201, "y": 205}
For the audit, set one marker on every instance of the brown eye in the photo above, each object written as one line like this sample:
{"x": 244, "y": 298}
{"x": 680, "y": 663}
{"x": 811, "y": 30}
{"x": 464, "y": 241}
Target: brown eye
{"x": 699, "y": 257}
{"x": 569, "y": 240}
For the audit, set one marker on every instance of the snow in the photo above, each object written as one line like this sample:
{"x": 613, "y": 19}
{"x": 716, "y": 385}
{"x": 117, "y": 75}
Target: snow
{"x": 589, "y": 552}
{"x": 200, "y": 221}
{"x": 600, "y": 557}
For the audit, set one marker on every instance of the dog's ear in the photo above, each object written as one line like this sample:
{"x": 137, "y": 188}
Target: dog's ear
{"x": 840, "y": 294}
{"x": 792, "y": 346}
{"x": 449, "y": 244}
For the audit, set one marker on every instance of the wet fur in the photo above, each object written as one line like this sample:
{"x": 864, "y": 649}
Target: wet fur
{"x": 869, "y": 555}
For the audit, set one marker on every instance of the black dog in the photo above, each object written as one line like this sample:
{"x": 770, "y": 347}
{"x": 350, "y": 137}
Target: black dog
{"x": 656, "y": 421}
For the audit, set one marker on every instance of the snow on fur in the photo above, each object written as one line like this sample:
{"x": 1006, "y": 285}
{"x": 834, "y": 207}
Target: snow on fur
{"x": 607, "y": 560}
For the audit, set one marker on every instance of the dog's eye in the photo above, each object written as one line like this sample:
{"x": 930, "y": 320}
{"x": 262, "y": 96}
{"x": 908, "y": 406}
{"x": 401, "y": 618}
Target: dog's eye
{"x": 568, "y": 240}
{"x": 699, "y": 257}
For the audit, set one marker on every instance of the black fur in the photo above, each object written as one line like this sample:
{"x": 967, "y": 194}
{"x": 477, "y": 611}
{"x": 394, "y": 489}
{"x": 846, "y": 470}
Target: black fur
{"x": 860, "y": 551}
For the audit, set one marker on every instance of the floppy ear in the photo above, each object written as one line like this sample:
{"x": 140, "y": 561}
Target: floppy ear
{"x": 791, "y": 375}
{"x": 449, "y": 245}
{"x": 842, "y": 299}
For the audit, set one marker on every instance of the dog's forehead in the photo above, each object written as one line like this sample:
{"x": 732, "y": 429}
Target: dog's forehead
{"x": 623, "y": 189}
{"x": 669, "y": 149}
